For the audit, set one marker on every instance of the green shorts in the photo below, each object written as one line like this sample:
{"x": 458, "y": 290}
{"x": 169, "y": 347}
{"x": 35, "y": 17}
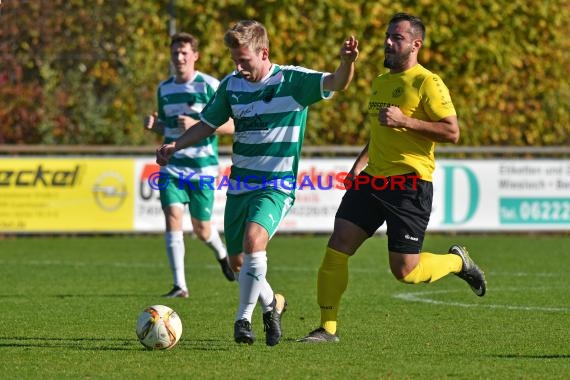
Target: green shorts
{"x": 265, "y": 207}
{"x": 200, "y": 201}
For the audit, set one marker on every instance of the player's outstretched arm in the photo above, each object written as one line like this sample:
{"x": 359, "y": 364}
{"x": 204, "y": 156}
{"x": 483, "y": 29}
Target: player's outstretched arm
{"x": 341, "y": 78}
{"x": 227, "y": 128}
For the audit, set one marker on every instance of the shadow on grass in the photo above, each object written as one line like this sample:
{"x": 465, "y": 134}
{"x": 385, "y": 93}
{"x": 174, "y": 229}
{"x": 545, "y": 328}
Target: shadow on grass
{"x": 65, "y": 296}
{"x": 545, "y": 356}
{"x": 206, "y": 345}
{"x": 95, "y": 344}
{"x": 106, "y": 344}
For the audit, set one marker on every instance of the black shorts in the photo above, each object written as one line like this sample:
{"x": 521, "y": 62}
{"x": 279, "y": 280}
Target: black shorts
{"x": 403, "y": 202}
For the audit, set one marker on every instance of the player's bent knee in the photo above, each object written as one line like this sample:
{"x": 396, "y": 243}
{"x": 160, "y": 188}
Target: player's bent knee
{"x": 202, "y": 231}
{"x": 414, "y": 276}
{"x": 398, "y": 274}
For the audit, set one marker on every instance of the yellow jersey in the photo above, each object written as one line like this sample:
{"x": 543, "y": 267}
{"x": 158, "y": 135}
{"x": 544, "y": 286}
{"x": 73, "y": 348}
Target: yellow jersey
{"x": 420, "y": 94}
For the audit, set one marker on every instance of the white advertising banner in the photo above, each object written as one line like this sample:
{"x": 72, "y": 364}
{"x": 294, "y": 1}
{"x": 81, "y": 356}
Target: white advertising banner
{"x": 148, "y": 213}
{"x": 501, "y": 195}
{"x": 469, "y": 195}
{"x": 316, "y": 202}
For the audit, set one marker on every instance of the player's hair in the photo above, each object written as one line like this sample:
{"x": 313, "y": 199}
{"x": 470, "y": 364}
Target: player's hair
{"x": 248, "y": 33}
{"x": 186, "y": 38}
{"x": 418, "y": 27}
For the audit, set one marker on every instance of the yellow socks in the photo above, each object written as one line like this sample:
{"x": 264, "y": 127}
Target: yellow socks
{"x": 331, "y": 284}
{"x": 432, "y": 267}
{"x": 333, "y": 279}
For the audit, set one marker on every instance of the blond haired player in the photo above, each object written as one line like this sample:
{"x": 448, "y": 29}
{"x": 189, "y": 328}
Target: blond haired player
{"x": 269, "y": 104}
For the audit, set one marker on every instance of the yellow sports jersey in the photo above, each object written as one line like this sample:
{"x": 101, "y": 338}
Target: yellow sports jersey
{"x": 420, "y": 94}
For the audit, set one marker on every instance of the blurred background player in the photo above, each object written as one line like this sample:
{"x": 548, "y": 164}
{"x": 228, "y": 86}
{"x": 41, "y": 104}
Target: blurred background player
{"x": 269, "y": 104}
{"x": 180, "y": 99}
{"x": 410, "y": 109}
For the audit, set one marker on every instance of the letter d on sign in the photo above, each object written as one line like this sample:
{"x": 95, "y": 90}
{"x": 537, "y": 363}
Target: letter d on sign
{"x": 453, "y": 195}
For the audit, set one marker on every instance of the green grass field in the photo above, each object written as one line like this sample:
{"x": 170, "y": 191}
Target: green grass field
{"x": 69, "y": 306}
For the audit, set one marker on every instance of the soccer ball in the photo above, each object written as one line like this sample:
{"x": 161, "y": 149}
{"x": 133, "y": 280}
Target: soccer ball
{"x": 159, "y": 327}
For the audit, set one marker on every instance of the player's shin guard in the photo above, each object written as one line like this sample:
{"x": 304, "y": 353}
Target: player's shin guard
{"x": 251, "y": 281}
{"x": 215, "y": 243}
{"x": 266, "y": 297}
{"x": 175, "y": 251}
{"x": 331, "y": 284}
{"x": 432, "y": 267}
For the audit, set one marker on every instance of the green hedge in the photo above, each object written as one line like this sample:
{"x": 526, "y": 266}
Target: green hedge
{"x": 74, "y": 73}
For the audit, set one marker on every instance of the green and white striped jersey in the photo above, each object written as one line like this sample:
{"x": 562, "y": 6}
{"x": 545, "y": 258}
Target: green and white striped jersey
{"x": 188, "y": 99}
{"x": 270, "y": 117}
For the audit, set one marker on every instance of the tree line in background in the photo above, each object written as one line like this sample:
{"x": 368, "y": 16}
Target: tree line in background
{"x": 86, "y": 71}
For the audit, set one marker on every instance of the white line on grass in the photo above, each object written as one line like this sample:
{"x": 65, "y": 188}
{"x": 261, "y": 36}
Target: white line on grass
{"x": 79, "y": 263}
{"x": 421, "y": 297}
{"x": 277, "y": 268}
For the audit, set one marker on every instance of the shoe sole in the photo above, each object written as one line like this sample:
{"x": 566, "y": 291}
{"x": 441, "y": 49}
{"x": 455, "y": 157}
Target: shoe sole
{"x": 319, "y": 339}
{"x": 230, "y": 279}
{"x": 314, "y": 340}
{"x": 228, "y": 273}
{"x": 284, "y": 302}
{"x": 178, "y": 294}
{"x": 464, "y": 255}
{"x": 284, "y": 309}
{"x": 245, "y": 340}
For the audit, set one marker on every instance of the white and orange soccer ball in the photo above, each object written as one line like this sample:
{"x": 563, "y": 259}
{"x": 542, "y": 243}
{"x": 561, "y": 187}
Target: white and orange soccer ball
{"x": 159, "y": 327}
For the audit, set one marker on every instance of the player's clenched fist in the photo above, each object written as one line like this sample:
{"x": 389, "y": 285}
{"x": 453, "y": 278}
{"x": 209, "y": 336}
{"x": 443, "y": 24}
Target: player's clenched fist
{"x": 349, "y": 49}
{"x": 164, "y": 153}
{"x": 149, "y": 120}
